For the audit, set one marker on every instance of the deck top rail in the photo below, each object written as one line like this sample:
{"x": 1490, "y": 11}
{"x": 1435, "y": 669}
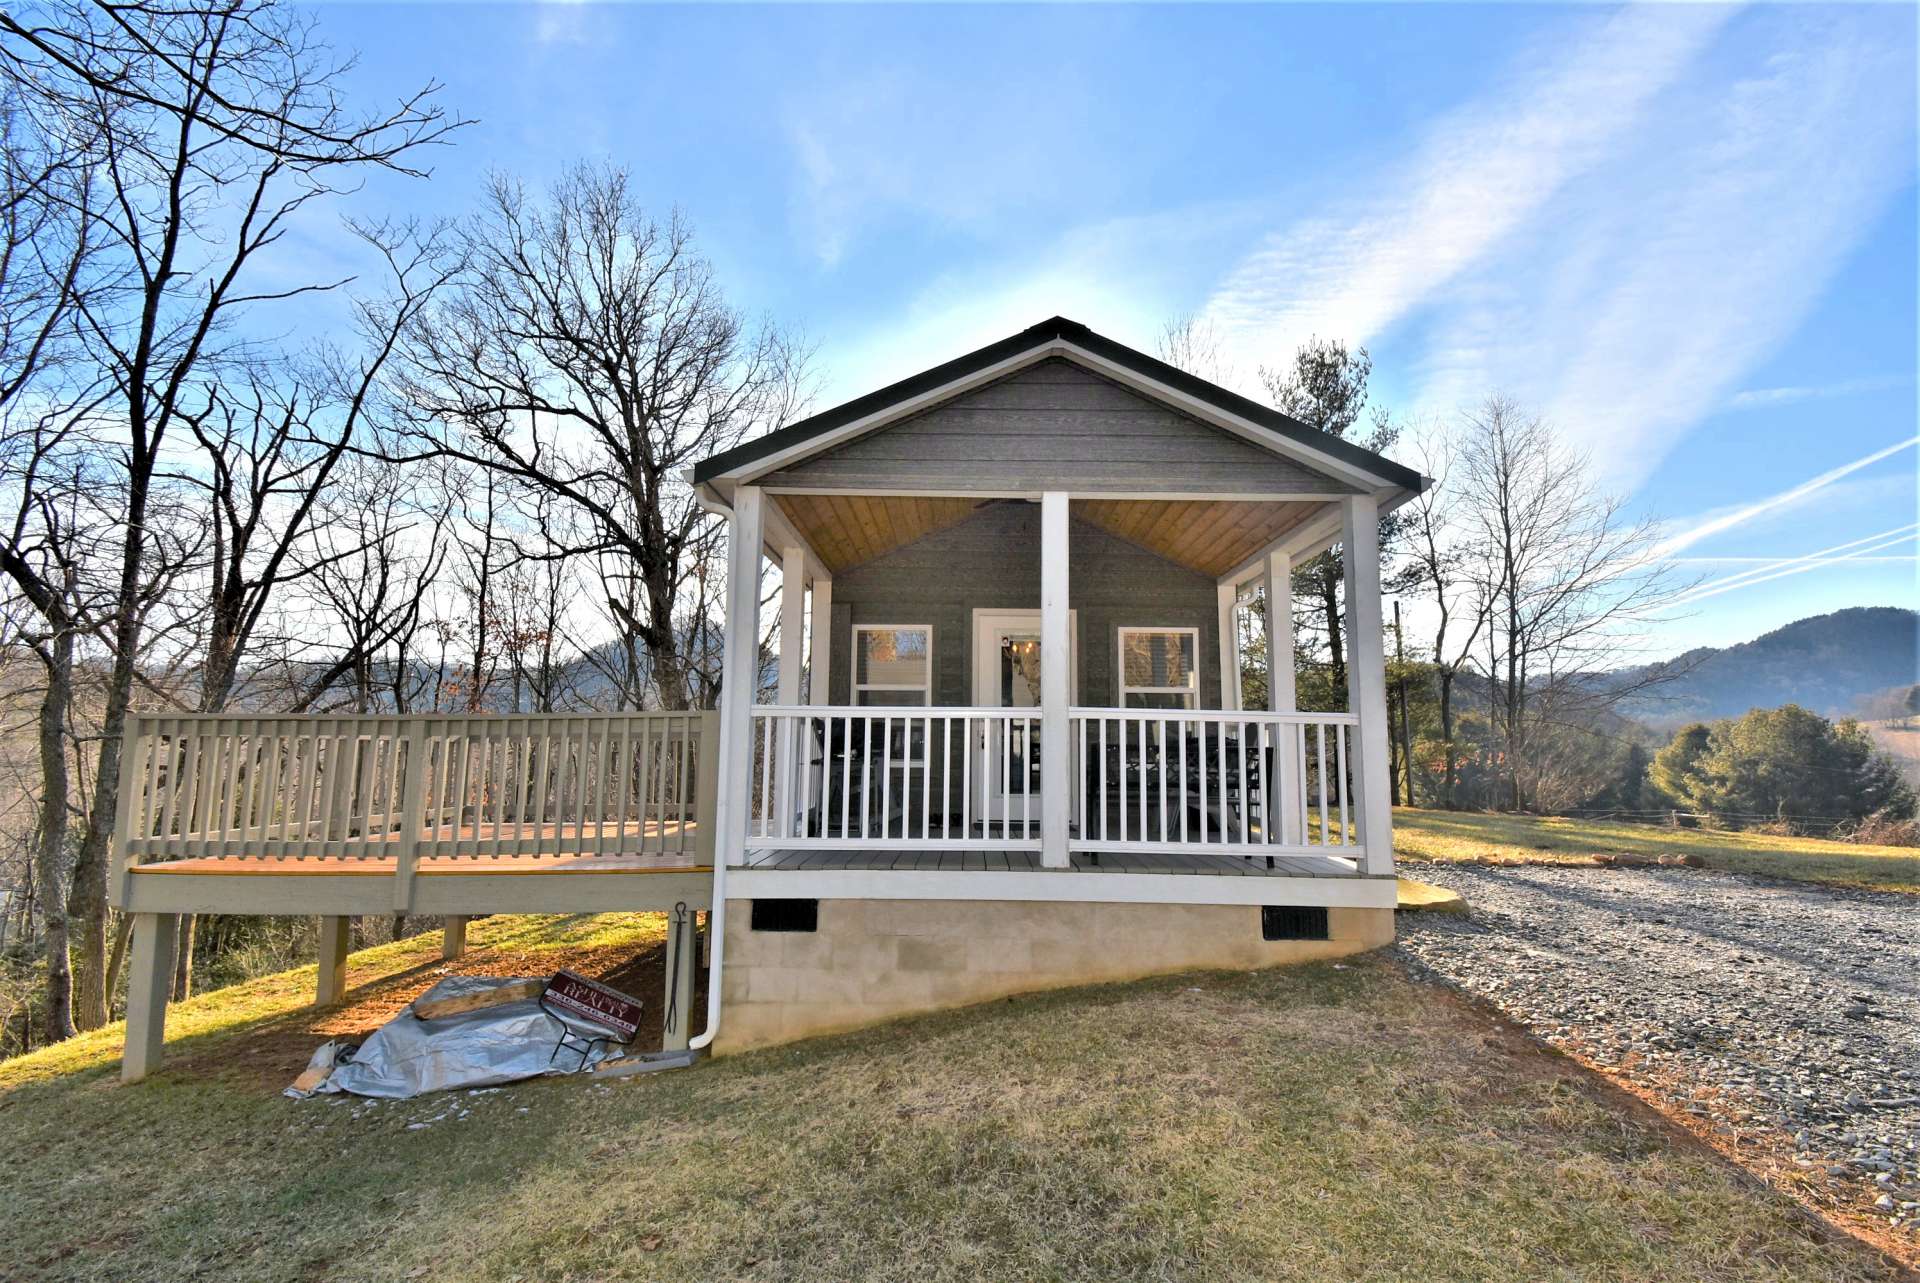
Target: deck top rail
{"x": 380, "y": 791}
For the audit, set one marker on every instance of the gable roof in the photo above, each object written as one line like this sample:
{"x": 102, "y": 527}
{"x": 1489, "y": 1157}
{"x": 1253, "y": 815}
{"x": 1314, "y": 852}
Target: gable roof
{"x": 820, "y": 429}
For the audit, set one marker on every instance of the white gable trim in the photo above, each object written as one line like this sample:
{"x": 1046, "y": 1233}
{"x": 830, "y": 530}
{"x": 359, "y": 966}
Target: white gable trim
{"x": 1194, "y": 407}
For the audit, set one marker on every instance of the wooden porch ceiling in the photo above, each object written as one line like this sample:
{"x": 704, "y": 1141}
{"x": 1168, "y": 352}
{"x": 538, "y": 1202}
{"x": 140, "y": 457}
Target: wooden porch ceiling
{"x": 1204, "y": 535}
{"x": 1209, "y": 537}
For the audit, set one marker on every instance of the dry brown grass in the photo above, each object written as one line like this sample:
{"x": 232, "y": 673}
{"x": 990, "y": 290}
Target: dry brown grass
{"x": 1459, "y": 835}
{"x": 1330, "y": 1122}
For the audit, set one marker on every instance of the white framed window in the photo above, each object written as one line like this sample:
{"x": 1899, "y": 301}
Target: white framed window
{"x": 1159, "y": 668}
{"x": 893, "y": 665}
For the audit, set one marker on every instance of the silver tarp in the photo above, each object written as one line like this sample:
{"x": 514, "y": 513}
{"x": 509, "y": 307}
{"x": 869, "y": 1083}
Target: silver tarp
{"x": 499, "y": 1044}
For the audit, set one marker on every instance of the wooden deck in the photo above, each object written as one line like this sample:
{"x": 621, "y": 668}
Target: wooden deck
{"x": 577, "y": 869}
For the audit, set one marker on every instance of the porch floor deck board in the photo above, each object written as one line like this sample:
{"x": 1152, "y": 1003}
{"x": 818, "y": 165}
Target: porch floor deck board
{"x": 1191, "y": 863}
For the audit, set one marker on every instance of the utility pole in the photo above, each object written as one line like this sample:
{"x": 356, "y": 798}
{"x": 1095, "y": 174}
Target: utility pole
{"x": 1406, "y": 723}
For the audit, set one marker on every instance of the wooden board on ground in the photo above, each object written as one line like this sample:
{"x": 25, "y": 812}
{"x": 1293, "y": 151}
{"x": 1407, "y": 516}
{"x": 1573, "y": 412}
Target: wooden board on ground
{"x": 441, "y": 1008}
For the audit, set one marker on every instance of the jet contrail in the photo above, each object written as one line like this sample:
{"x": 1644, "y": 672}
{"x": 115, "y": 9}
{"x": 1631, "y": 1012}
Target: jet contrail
{"x": 1800, "y": 565}
{"x": 1687, "y": 539}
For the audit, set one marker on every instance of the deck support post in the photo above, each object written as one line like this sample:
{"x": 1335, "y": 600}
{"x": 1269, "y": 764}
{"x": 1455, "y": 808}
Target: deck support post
{"x": 1282, "y": 697}
{"x": 1367, "y": 678}
{"x": 332, "y": 983}
{"x": 1056, "y": 668}
{"x": 453, "y": 938}
{"x": 676, "y": 1026}
{"x": 148, "y": 985}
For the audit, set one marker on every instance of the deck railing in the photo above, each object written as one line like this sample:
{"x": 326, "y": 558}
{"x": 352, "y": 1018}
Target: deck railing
{"x": 896, "y": 779}
{"x": 412, "y": 787}
{"x": 1245, "y": 783}
{"x": 968, "y": 778}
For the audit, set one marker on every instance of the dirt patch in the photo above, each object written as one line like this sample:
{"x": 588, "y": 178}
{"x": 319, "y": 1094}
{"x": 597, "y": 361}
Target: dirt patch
{"x": 267, "y": 1057}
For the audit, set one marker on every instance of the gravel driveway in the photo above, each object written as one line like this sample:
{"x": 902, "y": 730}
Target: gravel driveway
{"x": 1783, "y": 1014}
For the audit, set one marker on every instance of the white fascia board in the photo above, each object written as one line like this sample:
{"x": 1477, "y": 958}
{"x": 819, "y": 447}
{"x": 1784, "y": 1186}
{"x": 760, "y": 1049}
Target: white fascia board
{"x": 1067, "y": 886}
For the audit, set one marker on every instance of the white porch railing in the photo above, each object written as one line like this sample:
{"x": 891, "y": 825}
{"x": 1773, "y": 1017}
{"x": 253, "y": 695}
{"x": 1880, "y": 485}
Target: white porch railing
{"x": 1237, "y": 783}
{"x": 1243, "y": 783}
{"x": 895, "y": 779}
{"x": 409, "y": 787}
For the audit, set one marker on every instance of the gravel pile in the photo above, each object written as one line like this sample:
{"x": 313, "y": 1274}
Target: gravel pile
{"x": 1758, "y": 1006}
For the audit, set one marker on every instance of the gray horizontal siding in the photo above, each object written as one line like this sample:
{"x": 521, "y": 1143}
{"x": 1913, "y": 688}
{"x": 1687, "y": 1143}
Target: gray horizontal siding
{"x": 992, "y": 561}
{"x": 1055, "y": 425}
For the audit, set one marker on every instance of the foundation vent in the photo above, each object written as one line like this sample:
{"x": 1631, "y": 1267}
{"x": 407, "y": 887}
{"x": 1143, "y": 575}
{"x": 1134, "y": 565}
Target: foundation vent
{"x": 786, "y": 915}
{"x": 1290, "y": 922}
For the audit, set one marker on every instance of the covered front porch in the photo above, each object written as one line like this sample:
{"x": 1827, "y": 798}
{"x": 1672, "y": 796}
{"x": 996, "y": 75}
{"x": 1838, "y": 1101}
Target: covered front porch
{"x": 1002, "y": 686}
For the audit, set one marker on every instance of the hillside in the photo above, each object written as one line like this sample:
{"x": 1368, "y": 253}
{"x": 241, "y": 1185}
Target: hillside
{"x": 1826, "y": 663}
{"x": 1337, "y": 1121}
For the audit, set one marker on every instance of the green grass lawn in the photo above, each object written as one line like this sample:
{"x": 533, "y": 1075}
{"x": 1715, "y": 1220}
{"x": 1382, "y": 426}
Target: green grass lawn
{"x": 1456, "y": 835}
{"x": 1326, "y": 1122}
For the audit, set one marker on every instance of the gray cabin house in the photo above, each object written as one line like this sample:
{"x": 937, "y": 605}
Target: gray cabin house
{"x": 1008, "y": 749}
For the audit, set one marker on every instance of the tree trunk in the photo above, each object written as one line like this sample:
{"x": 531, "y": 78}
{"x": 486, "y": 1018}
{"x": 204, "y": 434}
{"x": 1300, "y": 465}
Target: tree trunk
{"x": 1327, "y": 572}
{"x": 183, "y": 958}
{"x": 53, "y": 870}
{"x": 117, "y": 959}
{"x": 1451, "y": 772}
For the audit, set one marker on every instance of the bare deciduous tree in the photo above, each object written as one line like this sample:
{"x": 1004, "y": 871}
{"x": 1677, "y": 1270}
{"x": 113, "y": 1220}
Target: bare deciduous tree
{"x": 1567, "y": 578}
{"x": 195, "y": 132}
{"x": 588, "y": 353}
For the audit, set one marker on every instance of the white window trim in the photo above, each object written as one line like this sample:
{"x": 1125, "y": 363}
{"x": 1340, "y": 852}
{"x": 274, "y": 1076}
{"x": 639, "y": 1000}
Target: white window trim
{"x": 1191, "y": 692}
{"x": 855, "y": 686}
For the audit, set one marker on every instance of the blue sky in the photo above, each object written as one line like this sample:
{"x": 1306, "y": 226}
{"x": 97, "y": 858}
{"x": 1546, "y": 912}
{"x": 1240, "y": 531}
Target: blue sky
{"x": 1687, "y": 235}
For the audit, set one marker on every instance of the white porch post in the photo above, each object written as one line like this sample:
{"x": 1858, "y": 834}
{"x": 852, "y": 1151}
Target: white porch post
{"x": 1282, "y": 696}
{"x": 820, "y": 658}
{"x": 1367, "y": 677}
{"x": 1229, "y": 647}
{"x": 738, "y": 676}
{"x": 793, "y": 622}
{"x": 1056, "y": 667}
{"x": 793, "y": 641}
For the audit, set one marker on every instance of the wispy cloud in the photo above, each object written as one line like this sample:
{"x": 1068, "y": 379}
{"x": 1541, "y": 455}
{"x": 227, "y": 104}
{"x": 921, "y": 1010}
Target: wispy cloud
{"x": 1767, "y": 398}
{"x": 1123, "y": 276}
{"x": 1483, "y": 171}
{"x": 1659, "y": 279}
{"x": 1616, "y": 235}
{"x": 561, "y": 22}
{"x": 878, "y": 144}
{"x": 1706, "y": 528}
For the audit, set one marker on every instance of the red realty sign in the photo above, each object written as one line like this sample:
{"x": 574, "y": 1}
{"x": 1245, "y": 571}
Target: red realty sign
{"x": 591, "y": 1000}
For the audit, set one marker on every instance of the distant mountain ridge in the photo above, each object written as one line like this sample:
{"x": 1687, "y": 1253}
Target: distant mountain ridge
{"x": 1825, "y": 663}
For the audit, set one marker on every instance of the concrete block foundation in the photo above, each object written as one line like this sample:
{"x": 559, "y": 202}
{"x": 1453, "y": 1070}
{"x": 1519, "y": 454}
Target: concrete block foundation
{"x": 874, "y": 960}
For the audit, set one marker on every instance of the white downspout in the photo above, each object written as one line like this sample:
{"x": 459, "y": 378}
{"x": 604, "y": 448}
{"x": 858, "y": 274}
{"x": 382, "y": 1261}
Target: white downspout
{"x": 738, "y": 686}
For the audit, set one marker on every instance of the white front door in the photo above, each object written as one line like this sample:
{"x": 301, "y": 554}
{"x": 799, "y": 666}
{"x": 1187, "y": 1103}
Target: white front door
{"x": 1006, "y": 674}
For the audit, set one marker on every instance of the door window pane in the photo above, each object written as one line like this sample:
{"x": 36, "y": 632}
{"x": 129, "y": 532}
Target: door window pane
{"x": 1019, "y": 670}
